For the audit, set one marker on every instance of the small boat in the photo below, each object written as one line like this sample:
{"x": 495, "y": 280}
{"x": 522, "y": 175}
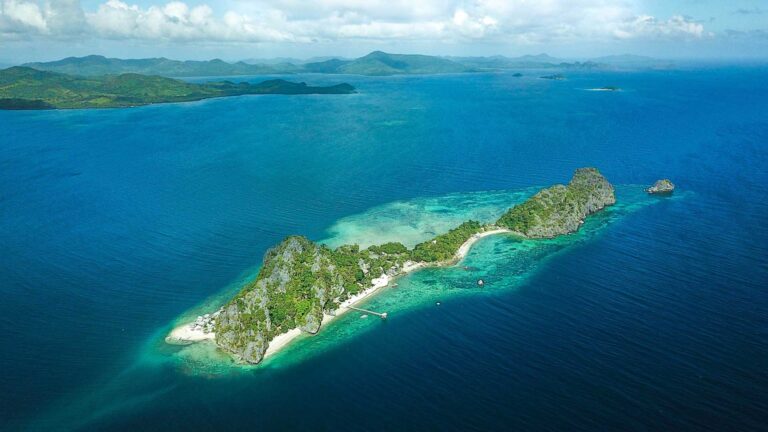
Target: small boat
{"x": 480, "y": 282}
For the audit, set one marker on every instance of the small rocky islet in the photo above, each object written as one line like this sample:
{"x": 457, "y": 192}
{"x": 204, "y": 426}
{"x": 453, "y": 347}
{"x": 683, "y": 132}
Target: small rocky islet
{"x": 661, "y": 187}
{"x": 301, "y": 282}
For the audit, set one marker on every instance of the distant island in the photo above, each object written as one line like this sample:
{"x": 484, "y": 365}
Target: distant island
{"x": 606, "y": 89}
{"x": 377, "y": 63}
{"x": 556, "y": 77}
{"x": 303, "y": 285}
{"x": 24, "y": 88}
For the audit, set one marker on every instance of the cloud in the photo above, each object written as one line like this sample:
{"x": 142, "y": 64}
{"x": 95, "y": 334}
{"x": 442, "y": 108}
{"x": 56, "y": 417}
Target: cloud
{"x": 505, "y": 21}
{"x": 21, "y": 16}
{"x": 677, "y": 26}
{"x": 177, "y": 21}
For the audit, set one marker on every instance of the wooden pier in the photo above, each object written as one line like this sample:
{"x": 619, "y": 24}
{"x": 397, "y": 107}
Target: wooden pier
{"x": 382, "y": 315}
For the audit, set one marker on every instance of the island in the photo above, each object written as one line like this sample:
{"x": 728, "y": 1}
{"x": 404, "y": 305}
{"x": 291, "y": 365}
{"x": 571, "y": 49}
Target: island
{"x": 303, "y": 285}
{"x": 661, "y": 187}
{"x": 379, "y": 63}
{"x": 24, "y": 88}
{"x": 555, "y": 77}
{"x": 376, "y": 63}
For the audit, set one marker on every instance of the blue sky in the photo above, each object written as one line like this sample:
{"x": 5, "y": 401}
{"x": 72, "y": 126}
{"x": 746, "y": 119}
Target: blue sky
{"x": 238, "y": 29}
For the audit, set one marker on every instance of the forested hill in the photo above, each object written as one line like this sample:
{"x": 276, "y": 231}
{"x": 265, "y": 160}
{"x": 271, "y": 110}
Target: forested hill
{"x": 27, "y": 88}
{"x": 377, "y": 63}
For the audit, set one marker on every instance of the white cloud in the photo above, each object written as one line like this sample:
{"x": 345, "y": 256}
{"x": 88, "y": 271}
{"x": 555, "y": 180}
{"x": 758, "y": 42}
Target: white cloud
{"x": 21, "y": 16}
{"x": 646, "y": 25}
{"x": 177, "y": 21}
{"x": 513, "y": 21}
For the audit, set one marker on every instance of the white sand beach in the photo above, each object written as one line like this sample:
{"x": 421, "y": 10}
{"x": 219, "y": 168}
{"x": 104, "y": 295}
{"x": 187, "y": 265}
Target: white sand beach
{"x": 281, "y": 340}
{"x": 186, "y": 334}
{"x": 464, "y": 248}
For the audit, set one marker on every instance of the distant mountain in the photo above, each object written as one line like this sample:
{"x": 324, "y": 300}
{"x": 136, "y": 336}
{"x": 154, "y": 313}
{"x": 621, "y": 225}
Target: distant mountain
{"x": 272, "y": 61}
{"x": 541, "y": 61}
{"x": 381, "y": 63}
{"x": 27, "y": 88}
{"x": 536, "y": 60}
{"x": 376, "y": 63}
{"x": 99, "y": 65}
{"x": 327, "y": 66}
{"x": 633, "y": 61}
{"x": 287, "y": 60}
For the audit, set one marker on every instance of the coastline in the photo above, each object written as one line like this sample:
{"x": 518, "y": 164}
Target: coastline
{"x": 186, "y": 335}
{"x": 467, "y": 245}
{"x": 183, "y": 335}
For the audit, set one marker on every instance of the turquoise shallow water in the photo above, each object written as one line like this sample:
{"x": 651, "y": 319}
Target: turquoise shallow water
{"x": 414, "y": 221}
{"x": 115, "y": 224}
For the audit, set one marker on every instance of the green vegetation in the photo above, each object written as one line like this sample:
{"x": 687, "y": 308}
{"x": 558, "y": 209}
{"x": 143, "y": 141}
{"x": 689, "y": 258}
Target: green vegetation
{"x": 392, "y": 248}
{"x": 525, "y": 216}
{"x": 560, "y": 209}
{"x": 444, "y": 247}
{"x": 26, "y": 88}
{"x": 300, "y": 281}
{"x": 95, "y": 65}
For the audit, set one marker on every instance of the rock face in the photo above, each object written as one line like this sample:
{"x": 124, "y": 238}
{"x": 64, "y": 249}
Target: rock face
{"x": 561, "y": 209}
{"x": 296, "y": 285}
{"x": 661, "y": 187}
{"x": 299, "y": 281}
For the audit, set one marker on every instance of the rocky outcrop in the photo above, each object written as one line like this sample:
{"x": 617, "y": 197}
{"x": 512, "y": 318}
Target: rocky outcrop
{"x": 298, "y": 283}
{"x": 295, "y": 286}
{"x": 561, "y": 209}
{"x": 661, "y": 187}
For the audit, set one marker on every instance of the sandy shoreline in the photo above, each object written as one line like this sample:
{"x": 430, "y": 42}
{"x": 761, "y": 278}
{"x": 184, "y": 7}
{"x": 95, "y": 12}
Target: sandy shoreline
{"x": 185, "y": 334}
{"x": 467, "y": 245}
{"x": 281, "y": 340}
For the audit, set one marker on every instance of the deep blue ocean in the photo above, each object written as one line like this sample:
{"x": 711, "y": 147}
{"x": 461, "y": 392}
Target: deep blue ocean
{"x": 114, "y": 223}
